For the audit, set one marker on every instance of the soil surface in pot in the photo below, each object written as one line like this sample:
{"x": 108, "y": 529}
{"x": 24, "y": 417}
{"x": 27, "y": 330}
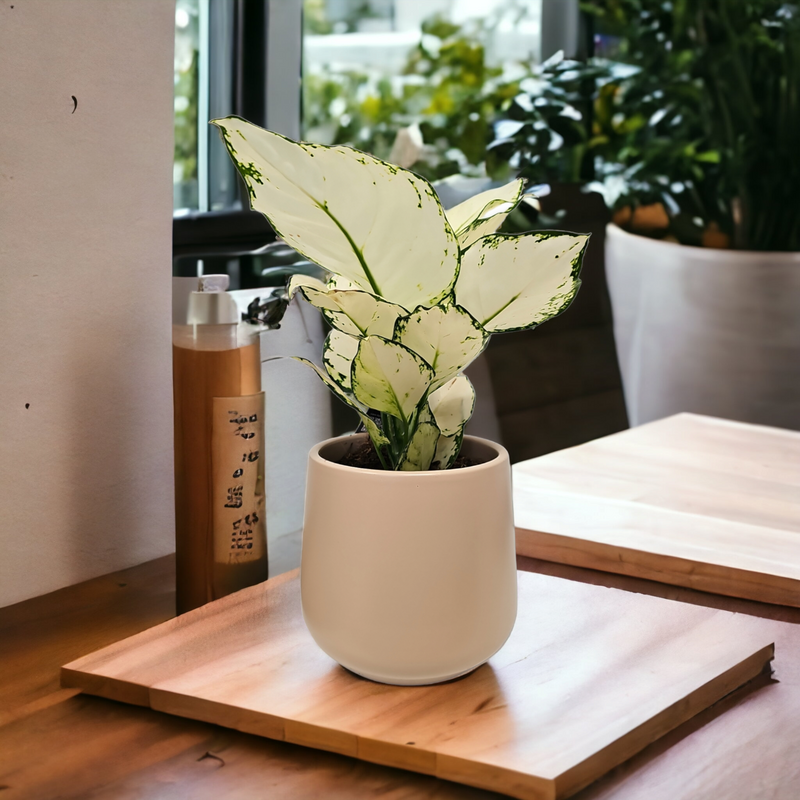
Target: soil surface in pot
{"x": 365, "y": 457}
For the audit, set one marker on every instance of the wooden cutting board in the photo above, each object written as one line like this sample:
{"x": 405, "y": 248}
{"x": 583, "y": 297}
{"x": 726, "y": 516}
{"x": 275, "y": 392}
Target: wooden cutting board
{"x": 689, "y": 500}
{"x": 589, "y": 677}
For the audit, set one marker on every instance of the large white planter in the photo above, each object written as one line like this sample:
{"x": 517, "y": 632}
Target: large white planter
{"x": 707, "y": 331}
{"x": 409, "y": 577}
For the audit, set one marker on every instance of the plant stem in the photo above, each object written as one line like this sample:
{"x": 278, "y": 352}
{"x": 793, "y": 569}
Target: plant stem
{"x": 380, "y": 457}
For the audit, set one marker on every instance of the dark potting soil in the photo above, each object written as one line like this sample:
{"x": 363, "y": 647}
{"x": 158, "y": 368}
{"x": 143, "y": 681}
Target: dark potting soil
{"x": 365, "y": 457}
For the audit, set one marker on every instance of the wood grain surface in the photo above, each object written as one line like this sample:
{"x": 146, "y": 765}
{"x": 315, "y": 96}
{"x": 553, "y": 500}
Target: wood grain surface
{"x": 54, "y": 744}
{"x": 695, "y": 501}
{"x": 589, "y": 677}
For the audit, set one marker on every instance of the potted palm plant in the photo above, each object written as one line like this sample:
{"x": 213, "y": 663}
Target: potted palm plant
{"x": 702, "y": 173}
{"x": 408, "y": 567}
{"x": 685, "y": 122}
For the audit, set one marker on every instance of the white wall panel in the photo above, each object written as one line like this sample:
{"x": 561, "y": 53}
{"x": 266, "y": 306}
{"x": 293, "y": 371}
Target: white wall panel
{"x": 85, "y": 249}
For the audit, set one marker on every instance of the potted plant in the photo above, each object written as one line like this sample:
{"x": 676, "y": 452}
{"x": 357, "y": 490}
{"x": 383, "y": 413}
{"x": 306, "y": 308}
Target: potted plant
{"x": 546, "y": 134}
{"x": 408, "y": 566}
{"x": 702, "y": 261}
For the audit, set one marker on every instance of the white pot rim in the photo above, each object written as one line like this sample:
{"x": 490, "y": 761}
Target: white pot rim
{"x": 431, "y": 474}
{"x": 708, "y": 253}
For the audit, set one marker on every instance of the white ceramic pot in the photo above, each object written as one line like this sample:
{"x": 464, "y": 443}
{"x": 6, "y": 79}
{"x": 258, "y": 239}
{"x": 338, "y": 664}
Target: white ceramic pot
{"x": 707, "y": 331}
{"x": 409, "y": 578}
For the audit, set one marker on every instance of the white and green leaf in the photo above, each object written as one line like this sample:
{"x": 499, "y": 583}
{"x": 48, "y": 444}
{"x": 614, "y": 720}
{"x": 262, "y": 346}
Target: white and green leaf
{"x": 348, "y": 398}
{"x": 485, "y": 212}
{"x": 452, "y": 405}
{"x": 377, "y": 436}
{"x": 510, "y": 282}
{"x": 421, "y": 449}
{"x": 354, "y": 312}
{"x": 338, "y": 353}
{"x": 340, "y": 282}
{"x": 300, "y": 281}
{"x": 446, "y": 337}
{"x": 379, "y": 226}
{"x": 389, "y": 377}
{"x": 447, "y": 450}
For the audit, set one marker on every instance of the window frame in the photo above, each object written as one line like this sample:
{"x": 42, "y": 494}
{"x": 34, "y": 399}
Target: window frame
{"x": 248, "y": 49}
{"x": 234, "y": 43}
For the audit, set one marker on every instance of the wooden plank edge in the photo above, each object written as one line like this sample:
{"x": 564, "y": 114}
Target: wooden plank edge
{"x": 628, "y": 745}
{"x": 401, "y": 756}
{"x": 258, "y": 723}
{"x": 493, "y": 778}
{"x": 111, "y": 688}
{"x": 672, "y": 570}
{"x": 268, "y": 726}
{"x": 414, "y": 759}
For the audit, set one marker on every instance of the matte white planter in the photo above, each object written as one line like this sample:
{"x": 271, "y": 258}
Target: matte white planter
{"x": 707, "y": 331}
{"x": 409, "y": 577}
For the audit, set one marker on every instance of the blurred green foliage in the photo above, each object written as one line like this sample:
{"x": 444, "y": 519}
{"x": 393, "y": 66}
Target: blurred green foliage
{"x": 446, "y": 86}
{"x": 547, "y": 133}
{"x": 186, "y": 120}
{"x": 186, "y": 82}
{"x": 696, "y": 116}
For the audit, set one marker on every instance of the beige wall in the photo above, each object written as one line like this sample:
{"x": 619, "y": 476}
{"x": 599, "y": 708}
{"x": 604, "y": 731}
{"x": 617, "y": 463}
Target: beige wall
{"x": 85, "y": 247}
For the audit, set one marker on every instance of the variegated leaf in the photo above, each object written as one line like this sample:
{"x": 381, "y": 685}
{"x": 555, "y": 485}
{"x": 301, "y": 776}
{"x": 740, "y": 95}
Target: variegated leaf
{"x": 299, "y": 281}
{"x": 447, "y": 450}
{"x": 510, "y": 282}
{"x": 355, "y": 312}
{"x": 340, "y": 282}
{"x": 452, "y": 405}
{"x": 484, "y": 213}
{"x": 377, "y": 436}
{"x": 338, "y": 353}
{"x": 389, "y": 377}
{"x": 349, "y": 212}
{"x": 421, "y": 449}
{"x": 424, "y": 415}
{"x": 349, "y": 399}
{"x": 446, "y": 337}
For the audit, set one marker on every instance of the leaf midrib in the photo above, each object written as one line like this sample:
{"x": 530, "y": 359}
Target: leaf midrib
{"x": 502, "y": 308}
{"x": 323, "y": 206}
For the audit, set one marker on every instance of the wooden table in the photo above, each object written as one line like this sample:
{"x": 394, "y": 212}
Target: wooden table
{"x": 693, "y": 501}
{"x": 56, "y": 743}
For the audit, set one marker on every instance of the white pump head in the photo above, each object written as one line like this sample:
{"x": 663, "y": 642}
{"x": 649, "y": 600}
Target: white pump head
{"x": 211, "y": 304}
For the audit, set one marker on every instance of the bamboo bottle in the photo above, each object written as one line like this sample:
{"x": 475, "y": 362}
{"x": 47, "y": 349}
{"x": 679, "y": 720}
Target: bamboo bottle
{"x": 220, "y": 527}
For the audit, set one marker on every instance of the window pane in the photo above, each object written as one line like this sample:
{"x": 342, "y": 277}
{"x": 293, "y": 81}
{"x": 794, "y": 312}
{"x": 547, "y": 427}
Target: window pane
{"x": 441, "y": 69}
{"x": 187, "y": 58}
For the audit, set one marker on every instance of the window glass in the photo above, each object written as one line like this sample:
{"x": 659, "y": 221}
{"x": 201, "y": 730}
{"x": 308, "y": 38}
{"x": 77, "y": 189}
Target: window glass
{"x": 187, "y": 67}
{"x": 416, "y": 82}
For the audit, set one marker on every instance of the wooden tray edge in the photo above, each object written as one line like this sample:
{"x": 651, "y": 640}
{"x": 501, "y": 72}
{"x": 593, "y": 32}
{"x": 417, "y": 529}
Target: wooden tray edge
{"x": 671, "y": 570}
{"x": 110, "y": 688}
{"x": 426, "y": 762}
{"x": 702, "y": 698}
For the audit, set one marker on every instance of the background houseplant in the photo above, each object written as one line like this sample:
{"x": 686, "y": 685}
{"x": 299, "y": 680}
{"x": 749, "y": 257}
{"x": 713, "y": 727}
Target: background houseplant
{"x": 690, "y": 144}
{"x": 447, "y": 89}
{"x": 716, "y": 93}
{"x": 413, "y": 298}
{"x": 574, "y": 393}
{"x": 700, "y": 329}
{"x": 689, "y": 106}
